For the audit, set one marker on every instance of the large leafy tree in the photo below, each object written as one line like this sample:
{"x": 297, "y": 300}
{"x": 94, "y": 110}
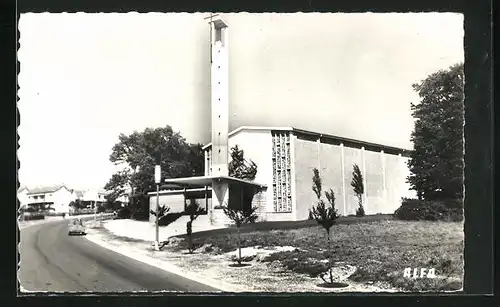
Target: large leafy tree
{"x": 436, "y": 164}
{"x": 139, "y": 152}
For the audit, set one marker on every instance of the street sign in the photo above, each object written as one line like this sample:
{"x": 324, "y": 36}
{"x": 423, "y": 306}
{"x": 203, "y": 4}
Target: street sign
{"x": 157, "y": 174}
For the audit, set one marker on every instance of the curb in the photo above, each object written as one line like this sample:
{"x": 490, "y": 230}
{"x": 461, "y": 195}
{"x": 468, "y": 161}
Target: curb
{"x": 44, "y": 221}
{"x": 162, "y": 265}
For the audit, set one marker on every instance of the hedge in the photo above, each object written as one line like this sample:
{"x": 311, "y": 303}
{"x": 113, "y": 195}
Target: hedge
{"x": 30, "y": 217}
{"x": 430, "y": 210}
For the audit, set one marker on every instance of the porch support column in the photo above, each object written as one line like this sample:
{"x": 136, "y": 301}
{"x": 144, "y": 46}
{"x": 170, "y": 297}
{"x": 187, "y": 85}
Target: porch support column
{"x": 206, "y": 198}
{"x": 220, "y": 195}
{"x": 184, "y": 196}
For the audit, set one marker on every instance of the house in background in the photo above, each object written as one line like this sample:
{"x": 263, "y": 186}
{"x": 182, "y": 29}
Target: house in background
{"x": 57, "y": 197}
{"x": 78, "y": 195}
{"x": 91, "y": 197}
{"x": 22, "y": 196}
{"x": 124, "y": 199}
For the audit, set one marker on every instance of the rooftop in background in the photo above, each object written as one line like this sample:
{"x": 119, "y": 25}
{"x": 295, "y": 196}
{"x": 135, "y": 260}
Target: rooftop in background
{"x": 54, "y": 188}
{"x": 321, "y": 136}
{"x": 47, "y": 189}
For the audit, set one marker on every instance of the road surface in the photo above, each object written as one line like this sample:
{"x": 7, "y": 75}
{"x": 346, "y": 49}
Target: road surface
{"x": 53, "y": 261}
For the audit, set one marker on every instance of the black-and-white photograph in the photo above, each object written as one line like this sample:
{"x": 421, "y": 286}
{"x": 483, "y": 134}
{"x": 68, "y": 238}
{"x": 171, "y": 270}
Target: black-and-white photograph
{"x": 241, "y": 152}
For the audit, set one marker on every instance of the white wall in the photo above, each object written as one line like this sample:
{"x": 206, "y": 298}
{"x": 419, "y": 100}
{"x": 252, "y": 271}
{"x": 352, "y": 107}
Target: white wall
{"x": 257, "y": 146}
{"x": 174, "y": 201}
{"x": 384, "y": 177}
{"x": 23, "y": 198}
{"x": 61, "y": 199}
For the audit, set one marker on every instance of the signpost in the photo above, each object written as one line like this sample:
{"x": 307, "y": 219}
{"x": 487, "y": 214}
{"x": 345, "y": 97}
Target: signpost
{"x": 157, "y": 181}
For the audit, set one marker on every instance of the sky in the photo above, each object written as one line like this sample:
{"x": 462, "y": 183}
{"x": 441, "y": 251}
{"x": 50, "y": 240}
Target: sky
{"x": 86, "y": 78}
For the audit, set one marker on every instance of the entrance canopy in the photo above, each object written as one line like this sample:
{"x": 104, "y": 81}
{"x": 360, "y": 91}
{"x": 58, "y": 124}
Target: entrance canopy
{"x": 203, "y": 181}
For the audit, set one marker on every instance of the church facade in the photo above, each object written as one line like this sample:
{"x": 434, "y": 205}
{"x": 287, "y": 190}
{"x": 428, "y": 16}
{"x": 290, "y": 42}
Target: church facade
{"x": 286, "y": 157}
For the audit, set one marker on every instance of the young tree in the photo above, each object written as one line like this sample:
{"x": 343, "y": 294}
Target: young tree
{"x": 325, "y": 216}
{"x": 239, "y": 167}
{"x": 194, "y": 210}
{"x": 436, "y": 163}
{"x": 240, "y": 211}
{"x": 162, "y": 211}
{"x": 240, "y": 215}
{"x": 358, "y": 188}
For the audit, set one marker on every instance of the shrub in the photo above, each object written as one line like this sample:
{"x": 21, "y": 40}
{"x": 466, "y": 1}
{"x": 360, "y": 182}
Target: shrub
{"x": 123, "y": 213}
{"x": 169, "y": 218}
{"x": 360, "y": 212}
{"x": 301, "y": 262}
{"x": 29, "y": 217}
{"x": 51, "y": 213}
{"x": 140, "y": 215}
{"x": 415, "y": 209}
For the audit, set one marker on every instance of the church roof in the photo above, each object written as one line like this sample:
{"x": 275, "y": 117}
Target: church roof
{"x": 321, "y": 136}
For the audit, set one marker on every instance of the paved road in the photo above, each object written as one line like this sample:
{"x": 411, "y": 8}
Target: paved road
{"x": 53, "y": 261}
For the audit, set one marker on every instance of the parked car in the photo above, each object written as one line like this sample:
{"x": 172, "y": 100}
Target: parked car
{"x": 76, "y": 227}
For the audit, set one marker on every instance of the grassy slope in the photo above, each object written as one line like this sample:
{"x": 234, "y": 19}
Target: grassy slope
{"x": 380, "y": 249}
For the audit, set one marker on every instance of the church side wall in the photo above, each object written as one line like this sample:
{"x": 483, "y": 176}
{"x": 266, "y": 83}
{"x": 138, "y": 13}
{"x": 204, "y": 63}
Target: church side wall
{"x": 396, "y": 172}
{"x": 374, "y": 183}
{"x": 306, "y": 159}
{"x": 331, "y": 173}
{"x": 384, "y": 177}
{"x": 351, "y": 156}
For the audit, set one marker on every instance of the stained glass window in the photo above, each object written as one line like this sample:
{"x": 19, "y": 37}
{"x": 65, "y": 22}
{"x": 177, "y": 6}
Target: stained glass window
{"x": 281, "y": 172}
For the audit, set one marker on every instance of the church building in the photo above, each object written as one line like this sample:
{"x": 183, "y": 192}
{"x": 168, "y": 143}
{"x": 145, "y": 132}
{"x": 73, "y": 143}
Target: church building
{"x": 285, "y": 159}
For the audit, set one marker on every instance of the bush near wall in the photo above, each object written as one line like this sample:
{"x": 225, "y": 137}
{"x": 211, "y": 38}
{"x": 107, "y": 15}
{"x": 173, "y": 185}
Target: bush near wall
{"x": 169, "y": 218}
{"x": 53, "y": 214}
{"x": 430, "y": 210}
{"x": 82, "y": 211}
{"x": 30, "y": 217}
{"x": 123, "y": 213}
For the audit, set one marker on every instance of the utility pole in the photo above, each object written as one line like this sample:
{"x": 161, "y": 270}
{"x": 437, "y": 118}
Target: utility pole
{"x": 95, "y": 210}
{"x": 157, "y": 229}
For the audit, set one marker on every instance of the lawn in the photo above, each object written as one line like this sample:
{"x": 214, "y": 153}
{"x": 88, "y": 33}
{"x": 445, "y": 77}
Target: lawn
{"x": 380, "y": 250}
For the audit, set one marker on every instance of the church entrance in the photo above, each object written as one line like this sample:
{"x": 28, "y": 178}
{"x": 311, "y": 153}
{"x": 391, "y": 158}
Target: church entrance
{"x": 241, "y": 195}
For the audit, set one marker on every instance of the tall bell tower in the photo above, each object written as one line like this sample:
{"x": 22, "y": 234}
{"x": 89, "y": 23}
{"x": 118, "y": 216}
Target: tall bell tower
{"x": 220, "y": 97}
{"x": 219, "y": 33}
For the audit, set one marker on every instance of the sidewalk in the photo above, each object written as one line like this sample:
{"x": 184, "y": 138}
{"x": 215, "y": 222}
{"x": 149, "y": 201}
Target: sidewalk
{"x": 143, "y": 252}
{"x": 144, "y": 230}
{"x": 53, "y": 219}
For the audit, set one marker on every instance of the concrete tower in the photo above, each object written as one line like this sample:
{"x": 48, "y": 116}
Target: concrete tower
{"x": 220, "y": 108}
